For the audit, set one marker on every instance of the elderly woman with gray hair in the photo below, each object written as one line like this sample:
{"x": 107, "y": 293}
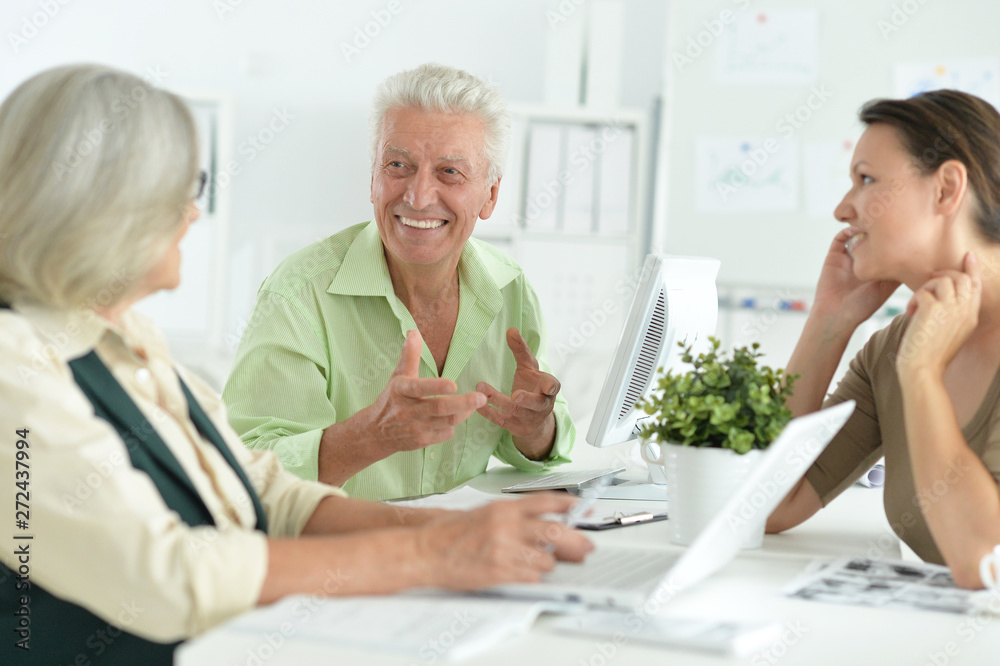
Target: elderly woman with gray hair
{"x": 179, "y": 526}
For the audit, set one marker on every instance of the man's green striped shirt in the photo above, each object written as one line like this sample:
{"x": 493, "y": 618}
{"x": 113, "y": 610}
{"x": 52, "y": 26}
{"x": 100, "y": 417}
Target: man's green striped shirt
{"x": 326, "y": 334}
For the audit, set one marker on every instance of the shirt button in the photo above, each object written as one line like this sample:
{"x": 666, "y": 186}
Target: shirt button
{"x": 431, "y": 455}
{"x": 142, "y": 375}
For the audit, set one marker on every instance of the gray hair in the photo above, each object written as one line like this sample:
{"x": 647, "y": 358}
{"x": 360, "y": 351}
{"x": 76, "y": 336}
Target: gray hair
{"x": 434, "y": 87}
{"x": 96, "y": 167}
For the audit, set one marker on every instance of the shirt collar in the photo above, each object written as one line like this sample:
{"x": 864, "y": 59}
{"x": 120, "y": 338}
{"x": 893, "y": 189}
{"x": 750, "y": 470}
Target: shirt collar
{"x": 73, "y": 333}
{"x": 70, "y": 333}
{"x": 364, "y": 272}
{"x": 485, "y": 274}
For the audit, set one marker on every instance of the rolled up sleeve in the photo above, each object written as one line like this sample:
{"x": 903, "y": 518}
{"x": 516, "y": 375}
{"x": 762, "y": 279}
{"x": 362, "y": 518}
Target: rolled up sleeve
{"x": 533, "y": 330}
{"x": 277, "y": 391}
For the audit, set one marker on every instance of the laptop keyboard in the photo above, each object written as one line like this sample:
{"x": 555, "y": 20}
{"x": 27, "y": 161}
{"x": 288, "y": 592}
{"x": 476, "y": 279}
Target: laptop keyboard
{"x": 616, "y": 567}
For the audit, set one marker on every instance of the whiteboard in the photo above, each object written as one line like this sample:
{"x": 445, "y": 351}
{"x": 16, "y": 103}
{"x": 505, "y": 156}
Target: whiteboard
{"x": 735, "y": 80}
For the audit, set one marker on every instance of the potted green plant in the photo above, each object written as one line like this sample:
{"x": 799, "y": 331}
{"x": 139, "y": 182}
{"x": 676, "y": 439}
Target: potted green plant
{"x": 711, "y": 423}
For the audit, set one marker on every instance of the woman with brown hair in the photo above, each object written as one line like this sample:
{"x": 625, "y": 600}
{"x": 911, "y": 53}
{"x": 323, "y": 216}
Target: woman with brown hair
{"x": 924, "y": 211}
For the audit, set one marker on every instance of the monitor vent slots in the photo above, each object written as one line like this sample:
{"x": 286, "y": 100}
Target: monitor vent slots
{"x": 646, "y": 363}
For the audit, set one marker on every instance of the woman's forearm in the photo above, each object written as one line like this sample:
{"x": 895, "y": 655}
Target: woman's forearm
{"x": 815, "y": 359}
{"x": 504, "y": 542}
{"x": 956, "y": 492}
{"x": 343, "y": 515}
{"x": 374, "y": 563}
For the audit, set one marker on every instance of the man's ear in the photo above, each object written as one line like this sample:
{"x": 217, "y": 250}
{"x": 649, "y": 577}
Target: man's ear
{"x": 371, "y": 187}
{"x": 952, "y": 184}
{"x": 491, "y": 203}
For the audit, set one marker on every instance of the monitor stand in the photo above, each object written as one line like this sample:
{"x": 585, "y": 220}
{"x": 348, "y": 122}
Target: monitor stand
{"x": 630, "y": 489}
{"x": 623, "y": 488}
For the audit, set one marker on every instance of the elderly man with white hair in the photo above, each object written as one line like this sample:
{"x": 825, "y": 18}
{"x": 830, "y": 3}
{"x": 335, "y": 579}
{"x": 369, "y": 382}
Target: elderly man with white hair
{"x": 142, "y": 520}
{"x": 396, "y": 356}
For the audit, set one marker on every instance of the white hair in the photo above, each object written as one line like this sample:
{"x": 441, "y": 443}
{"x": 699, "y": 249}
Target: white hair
{"x": 96, "y": 167}
{"x": 434, "y": 87}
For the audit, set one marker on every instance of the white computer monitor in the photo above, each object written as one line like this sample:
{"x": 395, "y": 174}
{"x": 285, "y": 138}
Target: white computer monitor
{"x": 676, "y": 300}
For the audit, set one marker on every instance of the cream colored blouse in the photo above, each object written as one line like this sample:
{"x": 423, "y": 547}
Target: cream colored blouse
{"x": 102, "y": 536}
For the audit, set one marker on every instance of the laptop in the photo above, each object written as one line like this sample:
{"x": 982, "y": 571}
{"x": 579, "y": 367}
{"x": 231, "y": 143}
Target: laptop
{"x": 627, "y": 577}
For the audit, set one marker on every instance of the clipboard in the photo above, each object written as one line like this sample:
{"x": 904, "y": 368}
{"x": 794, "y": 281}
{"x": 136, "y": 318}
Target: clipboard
{"x": 620, "y": 520}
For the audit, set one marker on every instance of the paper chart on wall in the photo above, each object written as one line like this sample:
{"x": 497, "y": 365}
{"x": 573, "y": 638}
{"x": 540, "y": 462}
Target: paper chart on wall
{"x": 772, "y": 47}
{"x": 977, "y": 76}
{"x": 826, "y": 169}
{"x": 748, "y": 174}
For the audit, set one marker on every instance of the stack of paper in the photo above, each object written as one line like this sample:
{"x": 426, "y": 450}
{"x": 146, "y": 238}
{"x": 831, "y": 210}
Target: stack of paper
{"x": 428, "y": 627}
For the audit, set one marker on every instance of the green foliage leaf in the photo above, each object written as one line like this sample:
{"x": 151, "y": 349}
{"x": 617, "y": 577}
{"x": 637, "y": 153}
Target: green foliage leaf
{"x": 724, "y": 401}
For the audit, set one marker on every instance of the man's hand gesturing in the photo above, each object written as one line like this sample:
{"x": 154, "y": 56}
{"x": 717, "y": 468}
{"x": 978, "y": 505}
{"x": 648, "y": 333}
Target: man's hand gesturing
{"x": 410, "y": 413}
{"x": 527, "y": 412}
{"x": 414, "y": 412}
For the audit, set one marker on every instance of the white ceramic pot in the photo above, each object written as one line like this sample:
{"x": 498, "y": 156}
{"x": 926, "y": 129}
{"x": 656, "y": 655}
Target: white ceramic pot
{"x": 699, "y": 482}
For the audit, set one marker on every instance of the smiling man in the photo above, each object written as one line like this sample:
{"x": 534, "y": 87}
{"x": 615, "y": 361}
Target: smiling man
{"x": 396, "y": 356}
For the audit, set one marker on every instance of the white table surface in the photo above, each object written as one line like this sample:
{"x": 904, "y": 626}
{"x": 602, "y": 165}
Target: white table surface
{"x": 818, "y": 634}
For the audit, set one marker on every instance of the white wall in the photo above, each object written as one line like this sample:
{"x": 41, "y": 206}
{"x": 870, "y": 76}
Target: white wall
{"x": 313, "y": 179}
{"x": 776, "y": 255}
{"x": 860, "y": 43}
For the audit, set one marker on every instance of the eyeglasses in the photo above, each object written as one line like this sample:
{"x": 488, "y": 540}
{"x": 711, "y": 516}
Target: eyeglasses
{"x": 202, "y": 180}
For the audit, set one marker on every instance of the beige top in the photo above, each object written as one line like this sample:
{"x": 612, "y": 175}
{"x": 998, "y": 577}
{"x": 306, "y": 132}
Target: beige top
{"x": 877, "y": 429}
{"x": 103, "y": 537}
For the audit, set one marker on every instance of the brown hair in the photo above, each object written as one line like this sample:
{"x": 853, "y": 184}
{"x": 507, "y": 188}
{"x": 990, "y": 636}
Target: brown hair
{"x": 943, "y": 125}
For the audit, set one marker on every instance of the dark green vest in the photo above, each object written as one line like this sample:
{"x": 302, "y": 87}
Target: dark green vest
{"x": 62, "y": 632}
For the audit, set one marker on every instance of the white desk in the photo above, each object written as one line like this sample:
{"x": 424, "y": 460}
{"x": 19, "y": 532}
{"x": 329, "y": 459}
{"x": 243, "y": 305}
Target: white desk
{"x": 818, "y": 634}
